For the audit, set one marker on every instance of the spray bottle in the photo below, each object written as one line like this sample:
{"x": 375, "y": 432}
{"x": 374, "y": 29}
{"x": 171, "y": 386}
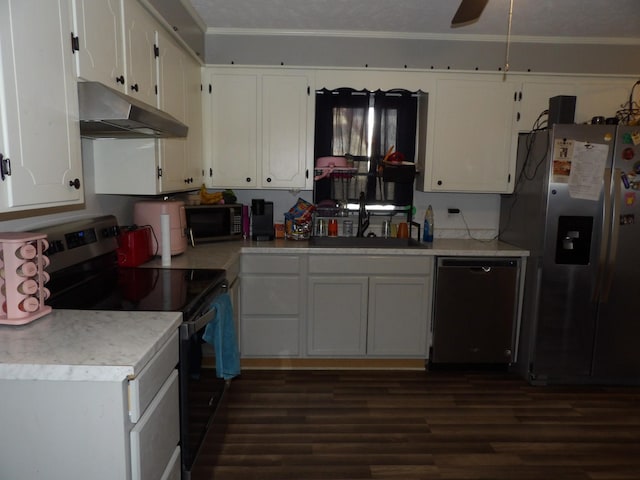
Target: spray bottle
{"x": 427, "y": 232}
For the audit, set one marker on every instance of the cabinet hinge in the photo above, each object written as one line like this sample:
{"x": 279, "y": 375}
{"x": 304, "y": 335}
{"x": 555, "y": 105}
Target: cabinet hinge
{"x": 306, "y": 173}
{"x": 156, "y": 89}
{"x": 5, "y": 167}
{"x": 159, "y": 172}
{"x": 75, "y": 43}
{"x": 210, "y": 88}
{"x": 156, "y": 51}
{"x": 308, "y": 91}
{"x": 509, "y": 178}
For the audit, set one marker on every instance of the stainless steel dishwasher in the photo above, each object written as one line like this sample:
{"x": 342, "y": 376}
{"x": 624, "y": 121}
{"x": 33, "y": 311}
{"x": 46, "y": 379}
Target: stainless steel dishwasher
{"x": 475, "y": 311}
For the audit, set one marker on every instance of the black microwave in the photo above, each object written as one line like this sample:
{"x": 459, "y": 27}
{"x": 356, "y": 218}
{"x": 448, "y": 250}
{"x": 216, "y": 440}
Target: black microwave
{"x": 211, "y": 223}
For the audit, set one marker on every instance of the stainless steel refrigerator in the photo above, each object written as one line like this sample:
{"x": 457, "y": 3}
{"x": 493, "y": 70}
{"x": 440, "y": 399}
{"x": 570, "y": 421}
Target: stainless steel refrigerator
{"x": 576, "y": 207}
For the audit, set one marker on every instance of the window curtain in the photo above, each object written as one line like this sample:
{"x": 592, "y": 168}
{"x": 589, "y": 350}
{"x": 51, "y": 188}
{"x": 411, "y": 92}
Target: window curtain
{"x": 342, "y": 122}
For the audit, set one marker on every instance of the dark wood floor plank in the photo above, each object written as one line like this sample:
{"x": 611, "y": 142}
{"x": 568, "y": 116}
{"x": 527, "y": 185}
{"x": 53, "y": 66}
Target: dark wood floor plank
{"x": 411, "y": 425}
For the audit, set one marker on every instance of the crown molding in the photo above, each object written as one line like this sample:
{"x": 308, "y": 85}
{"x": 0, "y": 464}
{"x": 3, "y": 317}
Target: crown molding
{"x": 449, "y": 37}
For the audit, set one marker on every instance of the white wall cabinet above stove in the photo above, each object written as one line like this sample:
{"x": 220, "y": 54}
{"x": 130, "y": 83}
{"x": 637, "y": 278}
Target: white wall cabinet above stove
{"x": 39, "y": 130}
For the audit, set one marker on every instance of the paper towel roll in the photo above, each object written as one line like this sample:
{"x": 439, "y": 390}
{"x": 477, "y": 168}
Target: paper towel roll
{"x": 165, "y": 227}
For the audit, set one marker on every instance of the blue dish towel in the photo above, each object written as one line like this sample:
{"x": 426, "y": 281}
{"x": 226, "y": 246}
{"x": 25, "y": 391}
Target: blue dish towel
{"x": 221, "y": 333}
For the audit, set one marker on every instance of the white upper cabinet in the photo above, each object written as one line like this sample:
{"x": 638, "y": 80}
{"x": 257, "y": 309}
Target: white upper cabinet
{"x": 258, "y": 128}
{"x": 533, "y": 99}
{"x": 161, "y": 73}
{"x": 470, "y": 139}
{"x": 172, "y": 98}
{"x": 231, "y": 129}
{"x": 99, "y": 39}
{"x": 39, "y": 129}
{"x": 287, "y": 119}
{"x": 601, "y": 97}
{"x": 140, "y": 41}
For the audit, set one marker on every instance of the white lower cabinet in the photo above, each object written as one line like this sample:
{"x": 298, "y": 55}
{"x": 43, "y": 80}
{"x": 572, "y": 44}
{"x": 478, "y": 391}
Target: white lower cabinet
{"x": 97, "y": 429}
{"x": 271, "y": 293}
{"x": 373, "y": 306}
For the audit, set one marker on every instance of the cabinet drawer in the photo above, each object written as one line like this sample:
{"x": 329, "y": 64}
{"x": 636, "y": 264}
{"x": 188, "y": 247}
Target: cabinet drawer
{"x": 371, "y": 264}
{"x": 156, "y": 435}
{"x": 270, "y": 263}
{"x": 270, "y": 295}
{"x": 144, "y": 387}
{"x": 173, "y": 470}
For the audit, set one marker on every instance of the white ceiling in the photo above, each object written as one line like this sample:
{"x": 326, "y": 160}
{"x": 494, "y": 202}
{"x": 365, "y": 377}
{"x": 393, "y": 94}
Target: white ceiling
{"x": 598, "y": 21}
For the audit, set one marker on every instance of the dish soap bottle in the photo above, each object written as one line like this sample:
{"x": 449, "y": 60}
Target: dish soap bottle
{"x": 427, "y": 232}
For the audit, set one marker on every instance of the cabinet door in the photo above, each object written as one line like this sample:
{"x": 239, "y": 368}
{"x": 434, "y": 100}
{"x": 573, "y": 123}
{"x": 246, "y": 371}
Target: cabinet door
{"x": 601, "y": 98}
{"x": 270, "y": 316}
{"x": 337, "y": 316}
{"x": 172, "y": 98}
{"x": 38, "y": 106}
{"x": 232, "y": 130}
{"x": 285, "y": 122}
{"x": 398, "y": 316}
{"x": 98, "y": 26}
{"x": 140, "y": 41}
{"x": 472, "y": 136}
{"x": 195, "y": 159}
{"x": 533, "y": 99}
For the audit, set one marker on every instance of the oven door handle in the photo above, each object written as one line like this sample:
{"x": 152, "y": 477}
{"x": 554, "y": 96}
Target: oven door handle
{"x": 187, "y": 329}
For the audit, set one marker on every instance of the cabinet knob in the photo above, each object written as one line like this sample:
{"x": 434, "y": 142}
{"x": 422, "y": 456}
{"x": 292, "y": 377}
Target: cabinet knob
{"x": 120, "y": 79}
{"x": 75, "y": 183}
{"x": 439, "y": 182}
{"x": 248, "y": 179}
{"x": 134, "y": 87}
{"x": 268, "y": 179}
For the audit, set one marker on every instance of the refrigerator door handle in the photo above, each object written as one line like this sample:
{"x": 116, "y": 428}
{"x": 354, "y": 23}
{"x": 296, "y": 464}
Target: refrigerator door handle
{"x": 615, "y": 233}
{"x": 604, "y": 237}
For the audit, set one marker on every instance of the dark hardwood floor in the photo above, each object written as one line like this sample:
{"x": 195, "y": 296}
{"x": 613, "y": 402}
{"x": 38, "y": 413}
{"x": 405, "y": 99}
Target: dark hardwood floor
{"x": 421, "y": 425}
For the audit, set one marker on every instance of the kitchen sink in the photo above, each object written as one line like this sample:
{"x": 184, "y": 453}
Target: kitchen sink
{"x": 365, "y": 242}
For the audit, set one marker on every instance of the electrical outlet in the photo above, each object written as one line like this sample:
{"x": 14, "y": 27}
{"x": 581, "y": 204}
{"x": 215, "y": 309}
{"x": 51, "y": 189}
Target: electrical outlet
{"x": 453, "y": 211}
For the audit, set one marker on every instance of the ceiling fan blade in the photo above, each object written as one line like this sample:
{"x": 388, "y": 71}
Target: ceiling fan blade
{"x": 468, "y": 12}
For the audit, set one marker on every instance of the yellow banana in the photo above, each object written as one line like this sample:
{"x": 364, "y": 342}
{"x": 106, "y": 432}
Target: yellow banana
{"x": 209, "y": 198}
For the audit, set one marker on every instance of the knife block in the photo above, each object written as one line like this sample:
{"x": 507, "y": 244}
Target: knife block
{"x": 22, "y": 277}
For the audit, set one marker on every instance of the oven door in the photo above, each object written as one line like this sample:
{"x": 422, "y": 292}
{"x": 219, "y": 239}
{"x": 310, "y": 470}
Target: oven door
{"x": 201, "y": 392}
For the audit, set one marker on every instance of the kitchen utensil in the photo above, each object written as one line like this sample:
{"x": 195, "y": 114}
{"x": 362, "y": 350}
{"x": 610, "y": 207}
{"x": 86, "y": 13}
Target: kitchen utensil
{"x": 403, "y": 230}
{"x": 321, "y": 227}
{"x": 333, "y": 227}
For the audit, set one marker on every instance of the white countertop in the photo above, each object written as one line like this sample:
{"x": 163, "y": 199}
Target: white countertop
{"x": 227, "y": 254}
{"x": 84, "y": 345}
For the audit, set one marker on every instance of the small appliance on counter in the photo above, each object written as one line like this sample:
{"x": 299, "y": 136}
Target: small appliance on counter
{"x": 149, "y": 212}
{"x": 135, "y": 246}
{"x": 262, "y": 220}
{"x": 22, "y": 277}
{"x": 212, "y": 223}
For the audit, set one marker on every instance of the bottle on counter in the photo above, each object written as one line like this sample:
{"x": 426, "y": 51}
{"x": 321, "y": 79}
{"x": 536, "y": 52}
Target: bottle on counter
{"x": 427, "y": 232}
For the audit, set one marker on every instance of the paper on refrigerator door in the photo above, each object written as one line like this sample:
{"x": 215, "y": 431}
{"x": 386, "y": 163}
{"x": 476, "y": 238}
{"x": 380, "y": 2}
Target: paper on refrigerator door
{"x": 587, "y": 170}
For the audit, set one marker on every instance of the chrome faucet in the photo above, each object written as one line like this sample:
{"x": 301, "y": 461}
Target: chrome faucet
{"x": 363, "y": 216}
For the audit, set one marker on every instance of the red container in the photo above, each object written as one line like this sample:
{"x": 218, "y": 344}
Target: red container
{"x": 134, "y": 247}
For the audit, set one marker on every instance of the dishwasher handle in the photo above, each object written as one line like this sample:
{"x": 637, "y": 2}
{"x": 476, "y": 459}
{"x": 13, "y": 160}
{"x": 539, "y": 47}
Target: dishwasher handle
{"x": 478, "y": 264}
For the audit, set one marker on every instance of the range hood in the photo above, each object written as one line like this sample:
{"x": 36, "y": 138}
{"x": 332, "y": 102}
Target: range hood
{"x": 107, "y": 113}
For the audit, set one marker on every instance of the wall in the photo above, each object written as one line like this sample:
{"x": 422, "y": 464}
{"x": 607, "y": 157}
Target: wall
{"x": 481, "y": 212}
{"x": 486, "y": 53}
